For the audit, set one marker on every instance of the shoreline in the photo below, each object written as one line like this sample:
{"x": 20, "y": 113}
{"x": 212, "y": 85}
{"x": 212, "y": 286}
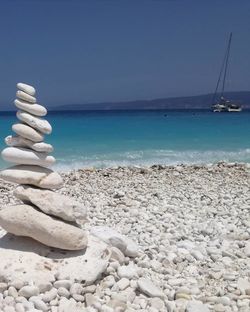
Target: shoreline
{"x": 244, "y": 165}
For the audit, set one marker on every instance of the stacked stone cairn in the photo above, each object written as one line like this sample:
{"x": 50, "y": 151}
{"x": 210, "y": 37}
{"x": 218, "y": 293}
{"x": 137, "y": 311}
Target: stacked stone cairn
{"x": 46, "y": 216}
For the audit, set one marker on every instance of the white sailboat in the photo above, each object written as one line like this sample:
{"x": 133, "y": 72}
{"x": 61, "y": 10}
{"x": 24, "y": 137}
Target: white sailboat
{"x": 224, "y": 105}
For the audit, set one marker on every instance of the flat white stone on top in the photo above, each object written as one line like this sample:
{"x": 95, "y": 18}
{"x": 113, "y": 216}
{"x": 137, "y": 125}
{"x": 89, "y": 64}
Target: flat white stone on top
{"x": 25, "y": 220}
{"x": 27, "y": 132}
{"x": 26, "y": 97}
{"x": 33, "y": 175}
{"x": 34, "y": 122}
{"x": 34, "y": 109}
{"x": 24, "y": 156}
{"x": 53, "y": 203}
{"x": 26, "y": 88}
{"x": 18, "y": 141}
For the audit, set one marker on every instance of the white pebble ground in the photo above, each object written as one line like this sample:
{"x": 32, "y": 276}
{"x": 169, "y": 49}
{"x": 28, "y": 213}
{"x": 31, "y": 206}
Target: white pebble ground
{"x": 192, "y": 224}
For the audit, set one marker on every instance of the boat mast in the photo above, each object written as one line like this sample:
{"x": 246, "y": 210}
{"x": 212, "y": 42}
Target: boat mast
{"x": 226, "y": 65}
{"x": 223, "y": 68}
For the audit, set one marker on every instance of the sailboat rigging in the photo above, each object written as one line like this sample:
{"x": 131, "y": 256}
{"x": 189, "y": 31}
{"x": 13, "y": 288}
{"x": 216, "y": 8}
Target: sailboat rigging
{"x": 224, "y": 105}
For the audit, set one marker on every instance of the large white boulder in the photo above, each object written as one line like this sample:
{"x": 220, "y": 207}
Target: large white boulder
{"x": 24, "y": 156}
{"x": 53, "y": 203}
{"x": 33, "y": 261}
{"x": 25, "y": 220}
{"x": 35, "y": 109}
{"x": 35, "y": 122}
{"x": 26, "y": 97}
{"x": 90, "y": 266}
{"x": 26, "y": 88}
{"x": 18, "y": 141}
{"x": 27, "y": 132}
{"x": 113, "y": 238}
{"x": 33, "y": 175}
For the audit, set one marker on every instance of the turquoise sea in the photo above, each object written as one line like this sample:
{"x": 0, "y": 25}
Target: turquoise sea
{"x": 113, "y": 138}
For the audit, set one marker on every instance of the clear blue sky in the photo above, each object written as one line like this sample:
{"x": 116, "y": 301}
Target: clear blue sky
{"x": 94, "y": 51}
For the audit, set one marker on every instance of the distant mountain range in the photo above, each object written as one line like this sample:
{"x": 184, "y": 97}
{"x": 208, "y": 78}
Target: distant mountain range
{"x": 189, "y": 102}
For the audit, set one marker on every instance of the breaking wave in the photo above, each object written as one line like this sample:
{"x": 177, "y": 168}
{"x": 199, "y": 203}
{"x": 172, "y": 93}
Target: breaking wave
{"x": 150, "y": 157}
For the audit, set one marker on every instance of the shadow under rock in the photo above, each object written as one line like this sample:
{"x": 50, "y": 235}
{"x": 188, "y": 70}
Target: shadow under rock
{"x": 26, "y": 244}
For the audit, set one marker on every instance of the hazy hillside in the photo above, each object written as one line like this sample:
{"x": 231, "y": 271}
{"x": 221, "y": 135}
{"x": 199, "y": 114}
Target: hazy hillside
{"x": 191, "y": 102}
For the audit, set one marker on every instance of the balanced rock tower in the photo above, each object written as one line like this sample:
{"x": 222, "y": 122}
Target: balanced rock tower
{"x": 46, "y": 216}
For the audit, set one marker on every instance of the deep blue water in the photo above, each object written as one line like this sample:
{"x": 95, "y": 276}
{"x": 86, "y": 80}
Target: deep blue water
{"x": 113, "y": 138}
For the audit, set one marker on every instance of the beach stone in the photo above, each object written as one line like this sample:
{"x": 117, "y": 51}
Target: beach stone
{"x": 17, "y": 284}
{"x": 49, "y": 295}
{"x": 19, "y": 307}
{"x": 157, "y": 303}
{"x": 9, "y": 309}
{"x": 26, "y": 97}
{"x": 25, "y": 220}
{"x": 123, "y": 283}
{"x": 148, "y": 288}
{"x": 26, "y": 88}
{"x": 27, "y": 132}
{"x": 76, "y": 288}
{"x": 113, "y": 238}
{"x": 38, "y": 303}
{"x": 34, "y": 175}
{"x": 43, "y": 286}
{"x": 34, "y": 109}
{"x": 63, "y": 292}
{"x": 87, "y": 269}
{"x": 196, "y": 306}
{"x": 17, "y": 141}
{"x": 63, "y": 283}
{"x": 243, "y": 284}
{"x": 12, "y": 292}
{"x": 28, "y": 291}
{"x": 247, "y": 249}
{"x": 128, "y": 271}
{"x": 3, "y": 287}
{"x": 117, "y": 255}
{"x": 78, "y": 298}
{"x": 37, "y": 123}
{"x": 24, "y": 156}
{"x": 53, "y": 203}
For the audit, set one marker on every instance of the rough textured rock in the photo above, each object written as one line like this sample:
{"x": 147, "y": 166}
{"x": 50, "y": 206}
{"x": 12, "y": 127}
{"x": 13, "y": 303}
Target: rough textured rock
{"x": 27, "y": 132}
{"x": 25, "y": 220}
{"x": 17, "y": 141}
{"x": 25, "y": 97}
{"x": 34, "y": 175}
{"x": 89, "y": 267}
{"x": 37, "y": 123}
{"x": 35, "y": 109}
{"x": 53, "y": 203}
{"x": 24, "y": 156}
{"x": 112, "y": 237}
{"x": 26, "y": 88}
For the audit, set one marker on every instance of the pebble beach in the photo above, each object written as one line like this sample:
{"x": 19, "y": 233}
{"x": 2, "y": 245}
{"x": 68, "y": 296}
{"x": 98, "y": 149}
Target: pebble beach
{"x": 191, "y": 224}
